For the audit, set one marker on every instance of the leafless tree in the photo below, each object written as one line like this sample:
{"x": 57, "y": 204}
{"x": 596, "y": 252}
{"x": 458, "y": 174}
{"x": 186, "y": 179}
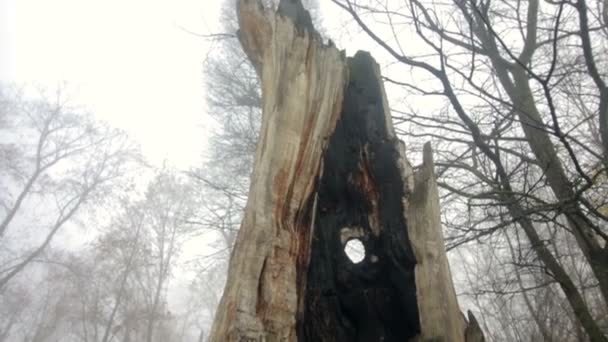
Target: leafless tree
{"x": 115, "y": 288}
{"x": 55, "y": 161}
{"x": 169, "y": 207}
{"x": 520, "y": 131}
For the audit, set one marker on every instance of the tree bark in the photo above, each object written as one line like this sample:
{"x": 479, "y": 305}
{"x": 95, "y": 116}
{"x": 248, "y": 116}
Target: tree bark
{"x": 329, "y": 168}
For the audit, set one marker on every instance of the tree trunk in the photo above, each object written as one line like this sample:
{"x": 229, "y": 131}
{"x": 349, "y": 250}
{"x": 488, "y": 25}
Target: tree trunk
{"x": 329, "y": 168}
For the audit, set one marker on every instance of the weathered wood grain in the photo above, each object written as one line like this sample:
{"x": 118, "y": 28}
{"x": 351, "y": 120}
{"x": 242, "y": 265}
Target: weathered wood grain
{"x": 328, "y": 168}
{"x": 302, "y": 85}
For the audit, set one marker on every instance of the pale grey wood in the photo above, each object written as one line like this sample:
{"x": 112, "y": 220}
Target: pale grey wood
{"x": 303, "y": 82}
{"x": 302, "y": 85}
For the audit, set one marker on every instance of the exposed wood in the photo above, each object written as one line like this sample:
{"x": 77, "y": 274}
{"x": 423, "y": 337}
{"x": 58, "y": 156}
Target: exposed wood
{"x": 302, "y": 85}
{"x": 329, "y": 168}
{"x": 440, "y": 315}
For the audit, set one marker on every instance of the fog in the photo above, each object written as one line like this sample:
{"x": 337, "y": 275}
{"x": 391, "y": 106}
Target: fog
{"x": 127, "y": 138}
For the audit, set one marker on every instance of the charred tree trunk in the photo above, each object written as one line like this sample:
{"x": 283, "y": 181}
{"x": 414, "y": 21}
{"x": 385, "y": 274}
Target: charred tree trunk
{"x": 329, "y": 168}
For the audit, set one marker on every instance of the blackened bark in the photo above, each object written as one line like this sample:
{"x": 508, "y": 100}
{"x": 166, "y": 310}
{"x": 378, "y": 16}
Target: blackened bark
{"x": 330, "y": 168}
{"x": 360, "y": 194}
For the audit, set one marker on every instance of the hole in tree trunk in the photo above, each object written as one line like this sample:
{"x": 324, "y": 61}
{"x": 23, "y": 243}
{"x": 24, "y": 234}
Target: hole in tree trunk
{"x": 355, "y": 250}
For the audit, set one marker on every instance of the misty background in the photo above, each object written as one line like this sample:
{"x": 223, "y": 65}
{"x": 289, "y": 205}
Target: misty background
{"x": 127, "y": 135}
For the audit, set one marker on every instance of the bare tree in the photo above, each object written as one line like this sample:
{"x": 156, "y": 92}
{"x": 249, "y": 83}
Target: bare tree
{"x": 116, "y": 287}
{"x": 520, "y": 132}
{"x": 55, "y": 160}
{"x": 123, "y": 243}
{"x": 13, "y": 303}
{"x": 169, "y": 208}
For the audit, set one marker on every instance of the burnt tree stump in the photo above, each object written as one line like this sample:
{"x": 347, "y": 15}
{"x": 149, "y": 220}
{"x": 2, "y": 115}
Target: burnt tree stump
{"x": 329, "y": 168}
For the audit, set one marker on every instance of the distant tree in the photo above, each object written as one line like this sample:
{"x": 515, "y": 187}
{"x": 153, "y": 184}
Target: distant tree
{"x": 13, "y": 305}
{"x": 169, "y": 208}
{"x": 55, "y": 160}
{"x": 141, "y": 251}
{"x": 116, "y": 286}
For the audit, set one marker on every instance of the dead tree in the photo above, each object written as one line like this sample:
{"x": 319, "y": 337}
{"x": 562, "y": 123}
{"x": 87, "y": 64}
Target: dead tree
{"x": 329, "y": 168}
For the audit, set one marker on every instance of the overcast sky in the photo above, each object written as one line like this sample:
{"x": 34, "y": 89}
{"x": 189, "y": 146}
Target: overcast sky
{"x": 128, "y": 61}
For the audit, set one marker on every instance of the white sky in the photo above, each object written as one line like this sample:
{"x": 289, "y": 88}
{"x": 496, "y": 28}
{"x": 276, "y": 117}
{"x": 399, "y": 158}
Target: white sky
{"x": 126, "y": 60}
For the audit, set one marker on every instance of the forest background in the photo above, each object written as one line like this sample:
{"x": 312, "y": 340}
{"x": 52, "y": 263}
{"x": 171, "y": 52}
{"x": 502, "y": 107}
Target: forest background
{"x": 127, "y": 135}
